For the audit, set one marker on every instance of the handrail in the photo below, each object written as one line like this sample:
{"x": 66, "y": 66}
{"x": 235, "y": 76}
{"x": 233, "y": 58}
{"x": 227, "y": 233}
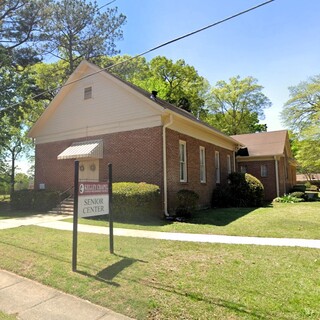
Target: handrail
{"x": 61, "y": 198}
{"x": 65, "y": 191}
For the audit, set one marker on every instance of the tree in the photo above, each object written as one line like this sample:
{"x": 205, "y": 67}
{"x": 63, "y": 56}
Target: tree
{"x": 236, "y": 106}
{"x": 308, "y": 151}
{"x": 302, "y": 110}
{"x": 19, "y": 21}
{"x": 13, "y": 143}
{"x": 77, "y": 30}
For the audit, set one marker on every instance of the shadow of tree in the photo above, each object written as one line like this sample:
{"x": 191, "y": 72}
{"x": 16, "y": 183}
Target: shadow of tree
{"x": 219, "y": 216}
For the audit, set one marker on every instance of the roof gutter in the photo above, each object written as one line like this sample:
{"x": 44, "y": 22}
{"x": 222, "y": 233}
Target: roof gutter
{"x": 165, "y": 180}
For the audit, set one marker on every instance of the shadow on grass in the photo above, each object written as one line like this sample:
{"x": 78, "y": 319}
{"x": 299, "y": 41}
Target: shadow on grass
{"x": 216, "y": 217}
{"x": 238, "y": 308}
{"x": 219, "y": 216}
{"x": 7, "y": 213}
{"x": 109, "y": 273}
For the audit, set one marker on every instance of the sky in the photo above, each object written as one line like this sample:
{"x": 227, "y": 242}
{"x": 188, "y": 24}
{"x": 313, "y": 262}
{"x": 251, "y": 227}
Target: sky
{"x": 278, "y": 44}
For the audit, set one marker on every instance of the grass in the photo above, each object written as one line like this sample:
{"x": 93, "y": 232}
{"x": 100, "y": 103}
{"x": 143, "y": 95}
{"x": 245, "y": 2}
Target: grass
{"x": 157, "y": 279}
{"x": 280, "y": 220}
{"x": 4, "y": 316}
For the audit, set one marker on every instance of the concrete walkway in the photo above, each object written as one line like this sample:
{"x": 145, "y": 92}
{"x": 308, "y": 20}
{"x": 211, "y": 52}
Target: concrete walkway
{"x": 52, "y": 221}
{"x": 30, "y": 300}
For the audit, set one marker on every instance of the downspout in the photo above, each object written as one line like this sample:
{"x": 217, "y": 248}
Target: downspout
{"x": 277, "y": 175}
{"x": 235, "y": 168}
{"x": 165, "y": 182}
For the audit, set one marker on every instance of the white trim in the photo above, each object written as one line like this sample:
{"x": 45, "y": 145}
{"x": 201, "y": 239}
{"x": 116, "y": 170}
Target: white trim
{"x": 183, "y": 175}
{"x": 217, "y": 166}
{"x": 202, "y": 164}
{"x": 263, "y": 170}
{"x": 229, "y": 167}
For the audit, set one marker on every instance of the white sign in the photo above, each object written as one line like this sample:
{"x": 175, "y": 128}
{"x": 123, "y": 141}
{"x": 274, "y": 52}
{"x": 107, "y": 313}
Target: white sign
{"x": 93, "y": 199}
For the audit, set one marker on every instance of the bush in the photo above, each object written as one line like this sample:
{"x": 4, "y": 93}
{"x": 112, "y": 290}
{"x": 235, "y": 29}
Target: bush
{"x": 22, "y": 200}
{"x": 313, "y": 188}
{"x": 298, "y": 194}
{"x": 134, "y": 201}
{"x": 298, "y": 187}
{"x": 38, "y": 200}
{"x": 221, "y": 197}
{"x": 246, "y": 190}
{"x": 187, "y": 202}
{"x": 288, "y": 198}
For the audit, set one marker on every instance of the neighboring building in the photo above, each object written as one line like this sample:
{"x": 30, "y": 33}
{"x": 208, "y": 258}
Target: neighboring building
{"x": 100, "y": 119}
{"x": 313, "y": 178}
{"x": 267, "y": 156}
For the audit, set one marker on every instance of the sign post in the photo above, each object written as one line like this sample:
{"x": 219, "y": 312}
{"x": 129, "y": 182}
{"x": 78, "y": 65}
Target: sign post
{"x": 90, "y": 199}
{"x": 75, "y": 216}
{"x": 110, "y": 210}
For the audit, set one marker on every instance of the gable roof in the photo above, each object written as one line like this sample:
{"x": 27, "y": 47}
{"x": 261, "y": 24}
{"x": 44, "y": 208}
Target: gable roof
{"x": 273, "y": 143}
{"x": 164, "y": 104}
{"x": 156, "y": 104}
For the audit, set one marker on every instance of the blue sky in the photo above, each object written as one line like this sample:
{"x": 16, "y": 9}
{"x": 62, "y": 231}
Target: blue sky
{"x": 278, "y": 43}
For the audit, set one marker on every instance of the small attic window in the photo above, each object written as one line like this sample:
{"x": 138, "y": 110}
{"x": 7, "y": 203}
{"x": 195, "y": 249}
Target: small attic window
{"x": 87, "y": 93}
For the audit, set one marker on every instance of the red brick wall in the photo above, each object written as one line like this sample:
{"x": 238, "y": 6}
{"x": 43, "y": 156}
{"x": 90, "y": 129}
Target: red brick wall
{"x": 136, "y": 156}
{"x": 193, "y": 167}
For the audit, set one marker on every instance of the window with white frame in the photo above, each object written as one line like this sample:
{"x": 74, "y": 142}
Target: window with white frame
{"x": 217, "y": 166}
{"x": 183, "y": 160}
{"x": 229, "y": 163}
{"x": 264, "y": 170}
{"x": 202, "y": 164}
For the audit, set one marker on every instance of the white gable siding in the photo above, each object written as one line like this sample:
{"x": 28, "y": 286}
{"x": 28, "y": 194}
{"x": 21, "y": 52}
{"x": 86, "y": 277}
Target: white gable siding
{"x": 111, "y": 109}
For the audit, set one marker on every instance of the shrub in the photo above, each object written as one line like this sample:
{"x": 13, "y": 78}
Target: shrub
{"x": 313, "y": 188}
{"x": 187, "y": 202}
{"x": 298, "y": 194}
{"x": 245, "y": 190}
{"x": 45, "y": 200}
{"x": 22, "y": 200}
{"x": 134, "y": 201}
{"x": 38, "y": 200}
{"x": 298, "y": 187}
{"x": 288, "y": 198}
{"x": 221, "y": 197}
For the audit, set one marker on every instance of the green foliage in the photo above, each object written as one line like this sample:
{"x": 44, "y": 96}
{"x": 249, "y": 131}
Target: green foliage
{"x": 299, "y": 188}
{"x": 244, "y": 190}
{"x": 237, "y": 106}
{"x": 288, "y": 198}
{"x": 176, "y": 82}
{"x": 187, "y": 202}
{"x": 78, "y": 30}
{"x": 302, "y": 110}
{"x": 19, "y": 28}
{"x": 298, "y": 194}
{"x": 133, "y": 201}
{"x": 41, "y": 200}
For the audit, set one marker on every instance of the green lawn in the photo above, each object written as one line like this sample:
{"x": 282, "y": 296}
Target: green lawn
{"x": 4, "y": 316}
{"x": 298, "y": 220}
{"x": 157, "y": 279}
